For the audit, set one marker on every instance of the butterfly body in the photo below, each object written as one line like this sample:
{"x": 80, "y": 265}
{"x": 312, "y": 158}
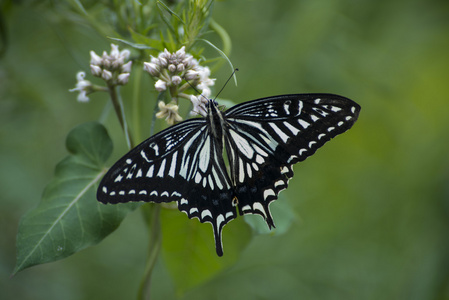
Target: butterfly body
{"x": 262, "y": 140}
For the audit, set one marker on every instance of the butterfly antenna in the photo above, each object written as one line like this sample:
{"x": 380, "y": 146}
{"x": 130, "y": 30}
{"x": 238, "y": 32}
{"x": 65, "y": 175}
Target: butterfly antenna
{"x": 198, "y": 92}
{"x": 235, "y": 70}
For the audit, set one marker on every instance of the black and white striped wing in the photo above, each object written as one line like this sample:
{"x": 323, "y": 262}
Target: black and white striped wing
{"x": 182, "y": 163}
{"x": 265, "y": 137}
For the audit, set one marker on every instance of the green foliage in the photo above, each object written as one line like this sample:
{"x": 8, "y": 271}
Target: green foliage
{"x": 189, "y": 248}
{"x": 68, "y": 219}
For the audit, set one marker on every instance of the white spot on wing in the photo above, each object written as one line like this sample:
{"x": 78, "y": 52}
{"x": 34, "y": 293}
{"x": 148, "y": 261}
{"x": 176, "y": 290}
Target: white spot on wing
{"x": 217, "y": 179}
{"x": 242, "y": 144}
{"x": 204, "y": 156}
{"x": 287, "y": 107}
{"x": 292, "y": 128}
{"x": 246, "y": 208}
{"x": 220, "y": 219}
{"x": 144, "y": 156}
{"x": 206, "y": 213}
{"x": 118, "y": 178}
{"x": 211, "y": 182}
{"x": 255, "y": 166}
{"x": 259, "y": 207}
{"x": 150, "y": 171}
{"x": 267, "y": 193}
{"x": 173, "y": 165}
{"x": 162, "y": 169}
{"x": 197, "y": 177}
{"x": 335, "y": 108}
{"x": 241, "y": 171}
{"x": 249, "y": 170}
{"x": 278, "y": 183}
{"x": 303, "y": 123}
{"x": 279, "y": 132}
{"x": 260, "y": 151}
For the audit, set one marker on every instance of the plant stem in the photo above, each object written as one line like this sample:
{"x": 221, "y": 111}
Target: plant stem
{"x": 137, "y": 105}
{"x": 118, "y": 107}
{"x": 151, "y": 214}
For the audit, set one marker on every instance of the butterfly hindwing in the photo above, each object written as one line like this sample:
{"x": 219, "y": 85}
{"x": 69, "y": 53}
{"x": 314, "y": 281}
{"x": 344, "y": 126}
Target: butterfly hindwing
{"x": 267, "y": 136}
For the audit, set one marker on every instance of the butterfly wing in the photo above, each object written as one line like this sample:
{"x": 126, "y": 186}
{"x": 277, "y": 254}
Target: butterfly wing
{"x": 182, "y": 163}
{"x": 265, "y": 137}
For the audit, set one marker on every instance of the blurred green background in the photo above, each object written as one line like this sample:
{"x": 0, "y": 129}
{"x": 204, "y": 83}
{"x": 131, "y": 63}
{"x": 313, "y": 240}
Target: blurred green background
{"x": 372, "y": 206}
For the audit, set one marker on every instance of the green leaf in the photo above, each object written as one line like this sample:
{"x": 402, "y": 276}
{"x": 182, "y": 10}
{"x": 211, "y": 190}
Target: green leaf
{"x": 69, "y": 218}
{"x": 188, "y": 248}
{"x": 139, "y": 46}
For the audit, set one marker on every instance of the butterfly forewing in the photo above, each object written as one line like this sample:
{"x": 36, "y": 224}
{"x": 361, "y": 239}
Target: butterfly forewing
{"x": 267, "y": 136}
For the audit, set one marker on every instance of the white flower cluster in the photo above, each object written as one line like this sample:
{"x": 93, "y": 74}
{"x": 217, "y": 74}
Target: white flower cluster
{"x": 172, "y": 68}
{"x": 111, "y": 67}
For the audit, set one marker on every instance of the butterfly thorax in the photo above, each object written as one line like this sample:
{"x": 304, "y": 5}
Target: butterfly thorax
{"x": 215, "y": 120}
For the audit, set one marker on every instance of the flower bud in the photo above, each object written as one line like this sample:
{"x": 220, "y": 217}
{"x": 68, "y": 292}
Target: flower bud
{"x": 172, "y": 68}
{"x": 126, "y": 68}
{"x": 176, "y": 80}
{"x": 181, "y": 51}
{"x": 151, "y": 68}
{"x": 192, "y": 75}
{"x": 180, "y": 67}
{"x": 95, "y": 59}
{"x": 160, "y": 85}
{"x": 114, "y": 51}
{"x": 123, "y": 78}
{"x": 106, "y": 75}
{"x": 95, "y": 70}
{"x": 163, "y": 62}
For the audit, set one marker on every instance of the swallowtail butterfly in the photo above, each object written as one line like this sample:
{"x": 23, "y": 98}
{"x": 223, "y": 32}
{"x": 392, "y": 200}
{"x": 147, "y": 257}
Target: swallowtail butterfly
{"x": 262, "y": 138}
